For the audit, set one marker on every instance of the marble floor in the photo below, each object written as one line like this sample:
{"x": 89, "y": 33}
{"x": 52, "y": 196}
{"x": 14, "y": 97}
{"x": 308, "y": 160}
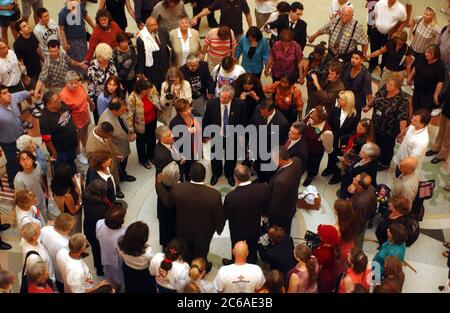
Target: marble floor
{"x": 424, "y": 256}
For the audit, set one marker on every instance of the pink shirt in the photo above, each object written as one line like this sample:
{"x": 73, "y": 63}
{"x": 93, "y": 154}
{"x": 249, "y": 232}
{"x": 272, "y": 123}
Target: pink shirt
{"x": 76, "y": 100}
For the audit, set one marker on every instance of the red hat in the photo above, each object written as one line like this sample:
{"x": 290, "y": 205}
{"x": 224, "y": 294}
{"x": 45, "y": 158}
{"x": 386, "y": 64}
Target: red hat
{"x": 328, "y": 234}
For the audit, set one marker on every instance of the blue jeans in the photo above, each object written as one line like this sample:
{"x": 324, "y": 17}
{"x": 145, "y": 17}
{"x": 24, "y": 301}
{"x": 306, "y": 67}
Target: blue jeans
{"x": 12, "y": 166}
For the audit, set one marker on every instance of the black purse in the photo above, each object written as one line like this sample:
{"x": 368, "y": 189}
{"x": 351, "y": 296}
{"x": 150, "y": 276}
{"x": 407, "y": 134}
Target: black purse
{"x": 24, "y": 284}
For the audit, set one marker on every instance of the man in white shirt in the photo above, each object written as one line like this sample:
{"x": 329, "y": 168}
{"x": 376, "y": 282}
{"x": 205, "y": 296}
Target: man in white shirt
{"x": 416, "y": 139}
{"x": 55, "y": 238}
{"x": 239, "y": 277}
{"x": 30, "y": 234}
{"x": 389, "y": 16}
{"x": 73, "y": 270}
{"x": 10, "y": 68}
{"x": 263, "y": 9}
{"x": 45, "y": 30}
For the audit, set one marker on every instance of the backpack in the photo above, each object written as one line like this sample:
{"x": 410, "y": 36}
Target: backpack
{"x": 413, "y": 230}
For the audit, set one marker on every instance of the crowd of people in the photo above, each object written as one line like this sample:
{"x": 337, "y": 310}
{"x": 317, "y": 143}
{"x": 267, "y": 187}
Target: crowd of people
{"x": 60, "y": 74}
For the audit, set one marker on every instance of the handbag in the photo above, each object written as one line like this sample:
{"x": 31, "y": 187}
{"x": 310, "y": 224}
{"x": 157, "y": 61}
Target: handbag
{"x": 426, "y": 189}
{"x": 24, "y": 283}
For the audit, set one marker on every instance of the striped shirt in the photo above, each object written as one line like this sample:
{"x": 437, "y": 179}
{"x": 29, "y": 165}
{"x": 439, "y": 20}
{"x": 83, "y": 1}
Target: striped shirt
{"x": 424, "y": 35}
{"x": 218, "y": 48}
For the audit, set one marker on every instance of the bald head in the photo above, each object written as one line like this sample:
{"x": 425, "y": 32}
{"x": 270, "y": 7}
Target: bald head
{"x": 152, "y": 24}
{"x": 240, "y": 252}
{"x": 347, "y": 14}
{"x": 408, "y": 165}
{"x": 242, "y": 173}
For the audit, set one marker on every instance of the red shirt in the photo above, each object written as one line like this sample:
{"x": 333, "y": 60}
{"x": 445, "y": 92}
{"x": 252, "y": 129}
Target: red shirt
{"x": 34, "y": 289}
{"x": 149, "y": 110}
{"x": 99, "y": 35}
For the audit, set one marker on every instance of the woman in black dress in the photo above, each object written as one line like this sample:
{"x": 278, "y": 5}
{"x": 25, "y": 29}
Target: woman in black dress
{"x": 136, "y": 255}
{"x": 95, "y": 205}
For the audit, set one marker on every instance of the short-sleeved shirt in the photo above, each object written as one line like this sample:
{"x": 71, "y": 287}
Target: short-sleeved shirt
{"x": 285, "y": 62}
{"x": 169, "y": 17}
{"x": 74, "y": 24}
{"x": 45, "y": 33}
{"x": 444, "y": 45}
{"x": 76, "y": 100}
{"x": 424, "y": 35}
{"x": 54, "y": 71}
{"x": 388, "y": 112}
{"x": 26, "y": 50}
{"x": 231, "y": 13}
{"x": 10, "y": 118}
{"x": 218, "y": 48}
{"x": 59, "y": 128}
{"x": 9, "y": 70}
{"x": 74, "y": 273}
{"x": 361, "y": 85}
{"x": 333, "y": 28}
{"x": 387, "y": 17}
{"x": 394, "y": 60}
{"x": 428, "y": 75}
{"x": 245, "y": 278}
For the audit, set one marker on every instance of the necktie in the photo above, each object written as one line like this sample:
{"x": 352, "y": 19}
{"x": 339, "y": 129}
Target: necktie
{"x": 291, "y": 26}
{"x": 287, "y": 144}
{"x": 157, "y": 40}
{"x": 225, "y": 120}
{"x": 122, "y": 124}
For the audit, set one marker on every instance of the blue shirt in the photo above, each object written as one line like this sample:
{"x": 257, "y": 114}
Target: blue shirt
{"x": 102, "y": 103}
{"x": 74, "y": 25}
{"x": 388, "y": 249}
{"x": 261, "y": 56}
{"x": 10, "y": 120}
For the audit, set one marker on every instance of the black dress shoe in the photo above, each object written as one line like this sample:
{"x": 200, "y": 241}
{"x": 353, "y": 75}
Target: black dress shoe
{"x": 100, "y": 272}
{"x": 327, "y": 172}
{"x": 231, "y": 181}
{"x": 4, "y": 245}
{"x": 430, "y": 153}
{"x": 214, "y": 180}
{"x": 120, "y": 195}
{"x": 4, "y": 227}
{"x": 334, "y": 180}
{"x": 226, "y": 261}
{"x": 128, "y": 178}
{"x": 307, "y": 181}
{"x": 436, "y": 160}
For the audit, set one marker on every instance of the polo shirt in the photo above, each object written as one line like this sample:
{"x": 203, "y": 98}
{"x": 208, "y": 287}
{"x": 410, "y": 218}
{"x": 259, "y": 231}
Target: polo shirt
{"x": 231, "y": 13}
{"x": 414, "y": 144}
{"x": 386, "y": 18}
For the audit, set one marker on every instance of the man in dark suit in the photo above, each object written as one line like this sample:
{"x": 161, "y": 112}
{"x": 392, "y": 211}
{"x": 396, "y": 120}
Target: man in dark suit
{"x": 284, "y": 189}
{"x": 165, "y": 152}
{"x": 153, "y": 55}
{"x": 364, "y": 201}
{"x": 293, "y": 22}
{"x": 224, "y": 111}
{"x": 267, "y": 117}
{"x": 295, "y": 144}
{"x": 243, "y": 209}
{"x": 199, "y": 212}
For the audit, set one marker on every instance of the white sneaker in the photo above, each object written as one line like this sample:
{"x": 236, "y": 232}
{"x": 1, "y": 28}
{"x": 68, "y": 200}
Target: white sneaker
{"x": 82, "y": 159}
{"x": 436, "y": 112}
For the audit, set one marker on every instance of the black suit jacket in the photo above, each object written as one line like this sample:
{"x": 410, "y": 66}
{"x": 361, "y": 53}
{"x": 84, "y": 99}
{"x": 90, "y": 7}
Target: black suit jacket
{"x": 278, "y": 120}
{"x": 364, "y": 203}
{"x": 284, "y": 192}
{"x": 369, "y": 168}
{"x": 236, "y": 116}
{"x": 282, "y": 22}
{"x": 244, "y": 207}
{"x": 199, "y": 210}
{"x": 300, "y": 150}
{"x": 161, "y": 157}
{"x": 161, "y": 58}
{"x": 342, "y": 133}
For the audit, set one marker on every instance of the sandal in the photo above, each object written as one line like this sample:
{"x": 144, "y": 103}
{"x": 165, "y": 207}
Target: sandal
{"x": 35, "y": 112}
{"x": 27, "y": 125}
{"x": 445, "y": 254}
{"x": 447, "y": 245}
{"x": 40, "y": 105}
{"x": 147, "y": 165}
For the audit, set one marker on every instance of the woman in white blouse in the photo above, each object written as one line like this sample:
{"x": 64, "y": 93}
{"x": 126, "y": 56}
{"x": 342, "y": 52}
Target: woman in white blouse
{"x": 171, "y": 272}
{"x": 185, "y": 40}
{"x": 174, "y": 88}
{"x": 136, "y": 256}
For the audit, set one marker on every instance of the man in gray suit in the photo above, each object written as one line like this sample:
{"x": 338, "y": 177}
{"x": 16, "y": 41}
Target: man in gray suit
{"x": 115, "y": 115}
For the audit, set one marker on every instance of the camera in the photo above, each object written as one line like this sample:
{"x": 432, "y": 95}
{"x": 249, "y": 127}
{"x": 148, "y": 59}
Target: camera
{"x": 169, "y": 92}
{"x": 312, "y": 239}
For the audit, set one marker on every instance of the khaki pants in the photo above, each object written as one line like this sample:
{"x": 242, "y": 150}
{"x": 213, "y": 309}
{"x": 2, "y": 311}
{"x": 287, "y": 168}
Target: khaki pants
{"x": 261, "y": 19}
{"x": 442, "y": 141}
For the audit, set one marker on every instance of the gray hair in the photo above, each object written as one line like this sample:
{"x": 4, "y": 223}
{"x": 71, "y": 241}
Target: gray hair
{"x": 160, "y": 131}
{"x": 371, "y": 149}
{"x": 193, "y": 57}
{"x": 23, "y": 142}
{"x": 29, "y": 231}
{"x": 71, "y": 76}
{"x": 103, "y": 51}
{"x": 171, "y": 174}
{"x": 228, "y": 88}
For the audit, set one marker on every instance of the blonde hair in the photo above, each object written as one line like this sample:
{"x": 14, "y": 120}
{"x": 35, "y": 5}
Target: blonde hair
{"x": 77, "y": 242}
{"x": 198, "y": 267}
{"x": 432, "y": 10}
{"x": 103, "y": 51}
{"x": 36, "y": 274}
{"x": 349, "y": 98}
{"x": 29, "y": 231}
